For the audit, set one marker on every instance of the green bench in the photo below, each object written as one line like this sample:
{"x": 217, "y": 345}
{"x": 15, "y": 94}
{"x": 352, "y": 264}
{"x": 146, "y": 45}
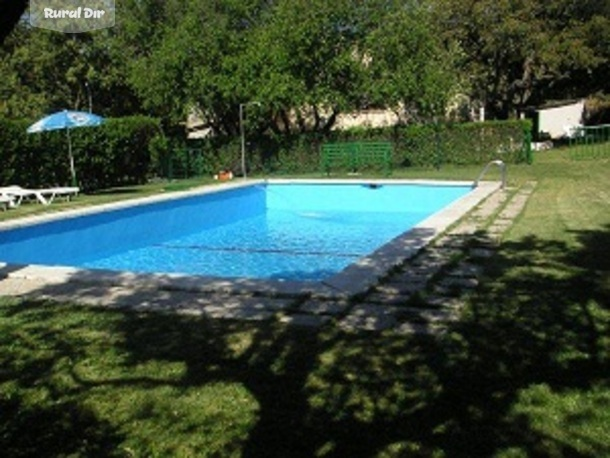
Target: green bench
{"x": 355, "y": 156}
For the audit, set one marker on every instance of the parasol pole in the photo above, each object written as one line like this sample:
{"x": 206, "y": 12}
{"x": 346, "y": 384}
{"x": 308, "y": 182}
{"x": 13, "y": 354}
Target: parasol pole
{"x": 72, "y": 170}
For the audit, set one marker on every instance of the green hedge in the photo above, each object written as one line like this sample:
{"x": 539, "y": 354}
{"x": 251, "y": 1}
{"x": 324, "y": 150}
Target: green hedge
{"x": 131, "y": 150}
{"x": 120, "y": 151}
{"x": 457, "y": 144}
{"x": 267, "y": 154}
{"x": 417, "y": 145}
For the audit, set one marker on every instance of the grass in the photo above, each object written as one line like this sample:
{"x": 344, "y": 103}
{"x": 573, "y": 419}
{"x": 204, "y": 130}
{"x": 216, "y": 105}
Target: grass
{"x": 104, "y": 197}
{"x": 524, "y": 373}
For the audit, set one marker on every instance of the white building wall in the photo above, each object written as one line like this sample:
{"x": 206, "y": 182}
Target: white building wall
{"x": 557, "y": 121}
{"x": 366, "y": 118}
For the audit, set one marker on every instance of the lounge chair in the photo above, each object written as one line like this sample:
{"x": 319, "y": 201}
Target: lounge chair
{"x": 65, "y": 192}
{"x": 17, "y": 194}
{"x": 5, "y": 202}
{"x": 44, "y": 195}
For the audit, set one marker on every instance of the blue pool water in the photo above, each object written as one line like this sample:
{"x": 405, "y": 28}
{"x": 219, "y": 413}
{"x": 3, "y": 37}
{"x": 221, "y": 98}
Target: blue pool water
{"x": 283, "y": 231}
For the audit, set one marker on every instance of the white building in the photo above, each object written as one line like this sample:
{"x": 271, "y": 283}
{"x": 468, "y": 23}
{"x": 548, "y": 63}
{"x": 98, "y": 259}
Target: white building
{"x": 559, "y": 120}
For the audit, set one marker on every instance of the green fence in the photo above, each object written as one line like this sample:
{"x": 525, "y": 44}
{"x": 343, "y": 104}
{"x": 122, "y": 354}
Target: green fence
{"x": 185, "y": 163}
{"x": 590, "y": 142}
{"x": 357, "y": 156}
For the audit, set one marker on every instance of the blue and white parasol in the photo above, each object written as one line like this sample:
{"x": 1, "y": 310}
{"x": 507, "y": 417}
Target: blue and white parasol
{"x": 66, "y": 120}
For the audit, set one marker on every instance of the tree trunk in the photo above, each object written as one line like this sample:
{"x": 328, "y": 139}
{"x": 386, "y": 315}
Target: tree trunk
{"x": 330, "y": 122}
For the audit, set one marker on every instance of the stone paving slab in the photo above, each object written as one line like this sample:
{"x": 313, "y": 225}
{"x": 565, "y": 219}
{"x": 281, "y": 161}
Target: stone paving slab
{"x": 401, "y": 287}
{"x": 489, "y": 207}
{"x": 427, "y": 329}
{"x": 496, "y": 233}
{"x": 441, "y": 253}
{"x": 468, "y": 238}
{"x": 407, "y": 282}
{"x": 453, "y": 240}
{"x": 430, "y": 257}
{"x": 145, "y": 300}
{"x": 19, "y": 286}
{"x": 388, "y": 299}
{"x": 445, "y": 302}
{"x": 238, "y": 313}
{"x": 367, "y": 317}
{"x": 459, "y": 282}
{"x": 447, "y": 292}
{"x": 425, "y": 314}
{"x": 463, "y": 230}
{"x": 485, "y": 242}
{"x": 426, "y": 271}
{"x": 304, "y": 320}
{"x": 319, "y": 307}
{"x": 446, "y": 255}
{"x": 466, "y": 270}
{"x": 481, "y": 253}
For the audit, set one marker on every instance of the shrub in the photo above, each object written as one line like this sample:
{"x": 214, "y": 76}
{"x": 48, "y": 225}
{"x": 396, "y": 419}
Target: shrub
{"x": 120, "y": 151}
{"x": 415, "y": 145}
{"x": 131, "y": 150}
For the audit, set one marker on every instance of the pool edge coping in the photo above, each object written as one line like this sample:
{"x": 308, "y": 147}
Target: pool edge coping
{"x": 355, "y": 279}
{"x": 127, "y": 203}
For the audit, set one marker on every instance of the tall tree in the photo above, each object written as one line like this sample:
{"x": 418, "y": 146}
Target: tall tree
{"x": 180, "y": 56}
{"x": 302, "y": 62}
{"x": 520, "y": 52}
{"x": 409, "y": 68}
{"x": 46, "y": 71}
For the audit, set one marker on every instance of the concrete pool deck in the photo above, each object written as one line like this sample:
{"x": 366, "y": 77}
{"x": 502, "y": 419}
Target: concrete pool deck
{"x": 370, "y": 294}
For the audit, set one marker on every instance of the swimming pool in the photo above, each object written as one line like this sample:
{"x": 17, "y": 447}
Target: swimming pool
{"x": 284, "y": 231}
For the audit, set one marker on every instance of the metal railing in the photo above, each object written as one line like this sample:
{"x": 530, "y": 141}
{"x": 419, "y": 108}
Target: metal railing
{"x": 502, "y": 167}
{"x": 590, "y": 142}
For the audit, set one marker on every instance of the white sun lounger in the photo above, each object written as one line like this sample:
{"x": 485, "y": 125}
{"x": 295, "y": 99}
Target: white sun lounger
{"x": 65, "y": 192}
{"x": 45, "y": 196}
{"x": 5, "y": 201}
{"x": 17, "y": 194}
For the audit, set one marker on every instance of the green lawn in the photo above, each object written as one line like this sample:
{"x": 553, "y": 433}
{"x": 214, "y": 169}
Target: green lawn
{"x": 103, "y": 197}
{"x": 525, "y": 373}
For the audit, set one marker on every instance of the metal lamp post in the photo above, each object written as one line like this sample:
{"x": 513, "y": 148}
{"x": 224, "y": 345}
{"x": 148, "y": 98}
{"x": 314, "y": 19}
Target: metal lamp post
{"x": 243, "y": 135}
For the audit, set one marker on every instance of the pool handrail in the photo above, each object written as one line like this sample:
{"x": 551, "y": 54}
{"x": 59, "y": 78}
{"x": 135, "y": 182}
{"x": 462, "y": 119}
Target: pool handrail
{"x": 502, "y": 167}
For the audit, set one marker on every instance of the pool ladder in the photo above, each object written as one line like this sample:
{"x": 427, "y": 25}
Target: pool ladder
{"x": 502, "y": 167}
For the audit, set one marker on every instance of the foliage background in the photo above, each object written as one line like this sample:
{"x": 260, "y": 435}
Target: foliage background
{"x": 120, "y": 151}
{"x": 416, "y": 145}
{"x": 308, "y": 61}
{"x": 132, "y": 150}
{"x": 305, "y": 63}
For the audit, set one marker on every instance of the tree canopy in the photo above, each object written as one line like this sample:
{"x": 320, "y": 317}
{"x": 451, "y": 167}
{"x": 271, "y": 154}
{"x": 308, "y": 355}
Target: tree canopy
{"x": 307, "y": 61}
{"x": 525, "y": 52}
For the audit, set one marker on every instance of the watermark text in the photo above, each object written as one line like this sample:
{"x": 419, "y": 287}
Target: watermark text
{"x": 70, "y": 16}
{"x": 87, "y": 13}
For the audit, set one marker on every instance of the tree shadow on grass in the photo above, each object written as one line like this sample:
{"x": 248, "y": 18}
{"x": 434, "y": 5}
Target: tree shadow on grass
{"x": 307, "y": 405}
{"x": 63, "y": 429}
{"x": 39, "y": 414}
{"x": 541, "y": 320}
{"x": 536, "y": 330}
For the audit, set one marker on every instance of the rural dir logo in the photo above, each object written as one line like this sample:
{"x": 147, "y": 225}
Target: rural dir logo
{"x": 72, "y": 16}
